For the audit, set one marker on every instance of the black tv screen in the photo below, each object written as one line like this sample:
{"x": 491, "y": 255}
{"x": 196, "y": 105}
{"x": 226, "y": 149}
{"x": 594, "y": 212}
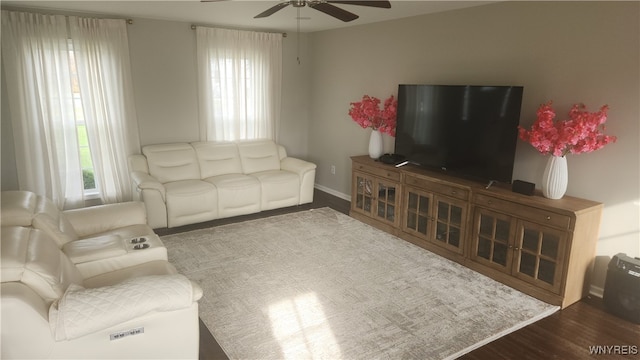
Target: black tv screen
{"x": 468, "y": 131}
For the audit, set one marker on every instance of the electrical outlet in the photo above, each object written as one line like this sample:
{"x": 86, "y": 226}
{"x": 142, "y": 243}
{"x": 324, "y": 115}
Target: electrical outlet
{"x": 333, "y": 169}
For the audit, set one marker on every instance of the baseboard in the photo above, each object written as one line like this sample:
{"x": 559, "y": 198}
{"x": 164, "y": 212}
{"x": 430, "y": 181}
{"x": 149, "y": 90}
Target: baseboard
{"x": 596, "y": 291}
{"x": 333, "y": 192}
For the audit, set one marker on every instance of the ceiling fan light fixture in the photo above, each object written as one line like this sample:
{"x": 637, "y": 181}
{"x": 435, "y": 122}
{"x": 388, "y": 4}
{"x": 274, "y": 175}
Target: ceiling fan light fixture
{"x": 298, "y": 3}
{"x": 326, "y": 7}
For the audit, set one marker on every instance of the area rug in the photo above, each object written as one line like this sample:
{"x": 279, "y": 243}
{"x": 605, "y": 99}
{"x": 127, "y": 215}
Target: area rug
{"x": 318, "y": 284}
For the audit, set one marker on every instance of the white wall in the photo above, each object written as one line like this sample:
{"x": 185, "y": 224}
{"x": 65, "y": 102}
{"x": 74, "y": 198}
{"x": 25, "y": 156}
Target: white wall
{"x": 567, "y": 52}
{"x": 163, "y": 67}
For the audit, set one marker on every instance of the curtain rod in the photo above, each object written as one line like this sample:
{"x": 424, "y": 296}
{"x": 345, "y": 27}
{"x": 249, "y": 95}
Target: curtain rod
{"x": 193, "y": 27}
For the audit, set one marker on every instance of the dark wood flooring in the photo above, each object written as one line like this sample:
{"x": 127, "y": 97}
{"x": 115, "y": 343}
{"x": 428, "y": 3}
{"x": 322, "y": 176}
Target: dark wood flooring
{"x": 572, "y": 333}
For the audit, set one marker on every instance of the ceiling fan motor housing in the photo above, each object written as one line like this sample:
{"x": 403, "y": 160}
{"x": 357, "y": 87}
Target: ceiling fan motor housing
{"x": 326, "y": 7}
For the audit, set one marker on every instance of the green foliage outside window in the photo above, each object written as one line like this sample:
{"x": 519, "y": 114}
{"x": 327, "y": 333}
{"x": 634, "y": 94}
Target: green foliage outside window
{"x": 85, "y": 158}
{"x": 88, "y": 179}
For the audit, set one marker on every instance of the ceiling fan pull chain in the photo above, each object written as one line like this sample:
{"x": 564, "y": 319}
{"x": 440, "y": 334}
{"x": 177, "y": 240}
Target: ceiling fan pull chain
{"x": 298, "y": 37}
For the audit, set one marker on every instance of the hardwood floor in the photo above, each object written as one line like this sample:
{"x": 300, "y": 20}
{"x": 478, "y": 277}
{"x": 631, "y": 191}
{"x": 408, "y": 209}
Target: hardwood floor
{"x": 572, "y": 333}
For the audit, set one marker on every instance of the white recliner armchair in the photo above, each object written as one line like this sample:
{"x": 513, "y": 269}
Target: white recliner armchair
{"x": 50, "y": 310}
{"x": 97, "y": 239}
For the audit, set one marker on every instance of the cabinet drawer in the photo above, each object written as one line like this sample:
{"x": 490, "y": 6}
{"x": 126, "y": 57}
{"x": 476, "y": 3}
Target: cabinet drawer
{"x": 444, "y": 189}
{"x": 384, "y": 173}
{"x": 536, "y": 215}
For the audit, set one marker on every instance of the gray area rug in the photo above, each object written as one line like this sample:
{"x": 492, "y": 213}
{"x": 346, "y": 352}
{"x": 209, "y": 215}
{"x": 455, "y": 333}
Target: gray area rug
{"x": 318, "y": 284}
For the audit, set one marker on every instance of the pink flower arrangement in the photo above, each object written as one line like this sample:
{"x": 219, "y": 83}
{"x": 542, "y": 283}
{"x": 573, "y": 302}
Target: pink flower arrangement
{"x": 367, "y": 114}
{"x": 582, "y": 133}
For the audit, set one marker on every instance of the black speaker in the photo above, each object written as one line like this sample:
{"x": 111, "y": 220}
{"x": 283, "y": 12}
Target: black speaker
{"x": 622, "y": 289}
{"x": 523, "y": 187}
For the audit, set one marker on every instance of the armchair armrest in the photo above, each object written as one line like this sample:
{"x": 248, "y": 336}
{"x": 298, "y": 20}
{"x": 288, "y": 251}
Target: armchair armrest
{"x": 112, "y": 305}
{"x": 144, "y": 181}
{"x": 97, "y": 219}
{"x": 297, "y": 166}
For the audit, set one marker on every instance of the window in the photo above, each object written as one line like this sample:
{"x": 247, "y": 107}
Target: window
{"x": 239, "y": 80}
{"x": 88, "y": 177}
{"x": 234, "y": 97}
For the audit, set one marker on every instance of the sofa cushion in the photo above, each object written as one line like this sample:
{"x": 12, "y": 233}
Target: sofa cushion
{"x": 172, "y": 162}
{"x": 238, "y": 194}
{"x": 190, "y": 201}
{"x": 217, "y": 158}
{"x": 258, "y": 155}
{"x": 279, "y": 189}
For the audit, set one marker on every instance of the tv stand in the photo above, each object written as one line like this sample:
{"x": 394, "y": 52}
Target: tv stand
{"x": 542, "y": 247}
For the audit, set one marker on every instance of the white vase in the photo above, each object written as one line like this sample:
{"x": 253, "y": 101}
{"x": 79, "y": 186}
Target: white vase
{"x": 375, "y": 144}
{"x": 555, "y": 177}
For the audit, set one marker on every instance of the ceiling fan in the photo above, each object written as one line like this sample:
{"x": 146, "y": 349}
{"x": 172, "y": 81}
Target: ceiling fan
{"x": 326, "y": 7}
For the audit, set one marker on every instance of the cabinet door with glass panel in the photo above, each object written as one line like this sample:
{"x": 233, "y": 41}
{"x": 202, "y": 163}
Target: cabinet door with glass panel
{"x": 375, "y": 197}
{"x": 529, "y": 251}
{"x": 435, "y": 218}
{"x": 418, "y": 219}
{"x": 540, "y": 254}
{"x": 450, "y": 217}
{"x": 492, "y": 243}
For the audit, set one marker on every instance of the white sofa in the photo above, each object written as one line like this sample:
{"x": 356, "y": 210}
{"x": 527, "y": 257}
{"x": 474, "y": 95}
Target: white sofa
{"x": 185, "y": 183}
{"x": 96, "y": 239}
{"x": 50, "y": 310}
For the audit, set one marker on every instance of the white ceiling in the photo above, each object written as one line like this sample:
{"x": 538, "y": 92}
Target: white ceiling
{"x": 239, "y": 13}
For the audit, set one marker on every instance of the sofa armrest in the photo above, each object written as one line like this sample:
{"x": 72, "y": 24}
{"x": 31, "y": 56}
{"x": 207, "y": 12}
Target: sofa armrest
{"x": 111, "y": 305}
{"x": 297, "y": 166}
{"x": 97, "y": 219}
{"x": 25, "y": 317}
{"x": 306, "y": 171}
{"x": 144, "y": 181}
{"x": 138, "y": 162}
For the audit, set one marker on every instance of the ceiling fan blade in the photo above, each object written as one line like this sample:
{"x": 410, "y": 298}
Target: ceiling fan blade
{"x": 334, "y": 11}
{"x": 272, "y": 10}
{"x": 375, "y": 3}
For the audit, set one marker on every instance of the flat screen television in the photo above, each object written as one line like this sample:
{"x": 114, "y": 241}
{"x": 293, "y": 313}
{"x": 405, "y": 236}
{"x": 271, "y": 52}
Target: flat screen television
{"x": 467, "y": 131}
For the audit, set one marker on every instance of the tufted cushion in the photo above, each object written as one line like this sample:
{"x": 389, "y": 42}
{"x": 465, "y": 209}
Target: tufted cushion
{"x": 172, "y": 162}
{"x": 84, "y": 311}
{"x": 217, "y": 158}
{"x": 259, "y": 155}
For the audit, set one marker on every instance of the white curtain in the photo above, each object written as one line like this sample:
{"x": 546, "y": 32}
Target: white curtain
{"x": 36, "y": 61}
{"x": 239, "y": 76}
{"x": 101, "y": 51}
{"x": 35, "y": 52}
